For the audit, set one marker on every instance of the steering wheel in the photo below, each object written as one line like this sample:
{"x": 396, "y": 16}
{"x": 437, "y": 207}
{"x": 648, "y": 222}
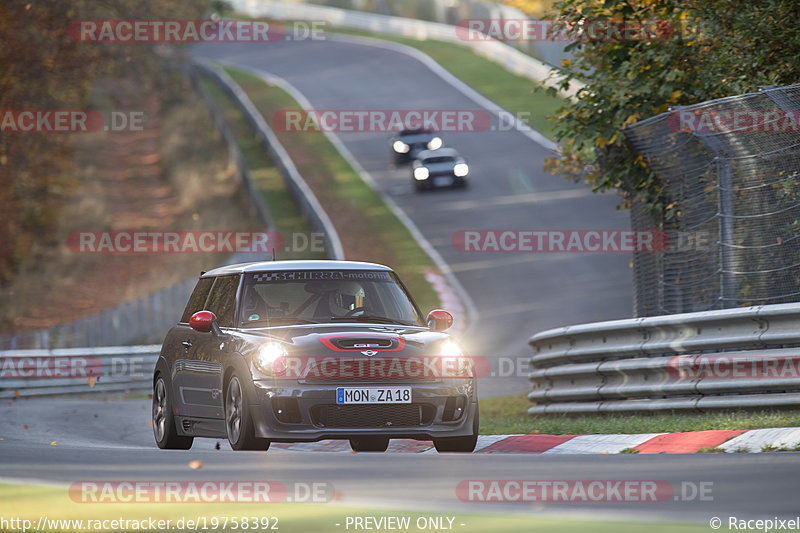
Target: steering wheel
{"x": 354, "y": 311}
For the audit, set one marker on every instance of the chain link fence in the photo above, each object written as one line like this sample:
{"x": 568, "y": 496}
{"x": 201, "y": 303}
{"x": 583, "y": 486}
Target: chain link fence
{"x": 731, "y": 170}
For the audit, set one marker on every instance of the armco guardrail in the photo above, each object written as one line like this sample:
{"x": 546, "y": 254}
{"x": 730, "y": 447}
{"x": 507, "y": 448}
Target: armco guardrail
{"x": 734, "y": 358}
{"x": 510, "y": 58}
{"x": 28, "y": 373}
{"x": 299, "y": 188}
{"x": 146, "y": 319}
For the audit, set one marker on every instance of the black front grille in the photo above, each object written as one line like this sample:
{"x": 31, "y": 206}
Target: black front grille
{"x": 286, "y": 410}
{"x": 372, "y": 416}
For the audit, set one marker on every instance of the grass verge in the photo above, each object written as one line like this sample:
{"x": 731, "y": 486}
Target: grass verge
{"x": 31, "y": 503}
{"x": 368, "y": 229}
{"x": 508, "y": 415}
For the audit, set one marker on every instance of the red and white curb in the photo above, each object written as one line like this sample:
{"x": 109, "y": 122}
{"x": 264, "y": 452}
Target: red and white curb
{"x": 729, "y": 441}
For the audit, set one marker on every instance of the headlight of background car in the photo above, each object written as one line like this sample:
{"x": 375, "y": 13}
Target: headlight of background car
{"x": 461, "y": 170}
{"x": 421, "y": 173}
{"x": 435, "y": 143}
{"x": 400, "y": 147}
{"x": 271, "y": 358}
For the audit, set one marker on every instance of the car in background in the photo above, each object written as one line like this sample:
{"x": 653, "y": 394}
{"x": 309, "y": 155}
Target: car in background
{"x": 439, "y": 168}
{"x": 409, "y": 143}
{"x": 290, "y": 351}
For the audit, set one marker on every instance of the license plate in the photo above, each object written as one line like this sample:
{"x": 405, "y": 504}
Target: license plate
{"x": 443, "y": 181}
{"x": 360, "y": 395}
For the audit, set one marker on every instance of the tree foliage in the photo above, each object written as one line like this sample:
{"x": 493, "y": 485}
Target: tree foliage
{"x": 711, "y": 49}
{"x": 43, "y": 69}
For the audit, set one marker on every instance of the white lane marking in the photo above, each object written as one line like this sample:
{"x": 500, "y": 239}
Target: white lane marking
{"x": 527, "y": 198}
{"x": 509, "y": 260}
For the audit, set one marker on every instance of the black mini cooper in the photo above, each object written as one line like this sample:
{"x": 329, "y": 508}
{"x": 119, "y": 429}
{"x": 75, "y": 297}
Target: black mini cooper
{"x": 291, "y": 351}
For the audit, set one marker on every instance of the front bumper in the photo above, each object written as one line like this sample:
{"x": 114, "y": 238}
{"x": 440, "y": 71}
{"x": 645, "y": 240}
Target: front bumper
{"x": 289, "y": 411}
{"x": 441, "y": 180}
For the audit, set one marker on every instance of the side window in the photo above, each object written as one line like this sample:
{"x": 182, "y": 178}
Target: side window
{"x": 222, "y": 299}
{"x": 198, "y": 298}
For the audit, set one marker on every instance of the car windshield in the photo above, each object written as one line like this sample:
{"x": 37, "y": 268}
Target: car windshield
{"x": 439, "y": 159}
{"x": 416, "y": 137}
{"x": 320, "y": 296}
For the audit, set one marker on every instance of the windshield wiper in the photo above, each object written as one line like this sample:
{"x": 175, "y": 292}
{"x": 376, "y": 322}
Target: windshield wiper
{"x": 370, "y": 318}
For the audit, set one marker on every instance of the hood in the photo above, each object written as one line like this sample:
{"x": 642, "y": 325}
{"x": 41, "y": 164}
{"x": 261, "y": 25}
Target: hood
{"x": 348, "y": 339}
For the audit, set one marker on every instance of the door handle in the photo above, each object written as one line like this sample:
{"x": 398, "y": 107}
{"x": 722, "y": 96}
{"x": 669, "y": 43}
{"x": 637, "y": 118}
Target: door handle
{"x": 187, "y": 344}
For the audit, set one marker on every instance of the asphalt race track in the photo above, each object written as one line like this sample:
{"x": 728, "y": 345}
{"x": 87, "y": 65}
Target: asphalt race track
{"x": 516, "y": 294}
{"x": 112, "y": 441}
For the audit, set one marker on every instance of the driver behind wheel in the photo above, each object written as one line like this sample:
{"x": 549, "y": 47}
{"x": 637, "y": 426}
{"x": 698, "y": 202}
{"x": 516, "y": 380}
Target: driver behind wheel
{"x": 347, "y": 297}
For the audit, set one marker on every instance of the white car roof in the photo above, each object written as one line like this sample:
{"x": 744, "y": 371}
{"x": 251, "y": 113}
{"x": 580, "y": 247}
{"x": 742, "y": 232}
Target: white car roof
{"x": 269, "y": 266}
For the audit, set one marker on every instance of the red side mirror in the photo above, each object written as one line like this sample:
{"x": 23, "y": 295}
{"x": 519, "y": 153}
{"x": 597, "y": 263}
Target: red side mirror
{"x": 439, "y": 320}
{"x": 202, "y": 320}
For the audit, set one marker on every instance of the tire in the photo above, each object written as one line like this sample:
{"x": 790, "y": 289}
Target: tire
{"x": 238, "y": 423}
{"x": 459, "y": 444}
{"x": 369, "y": 444}
{"x": 164, "y": 430}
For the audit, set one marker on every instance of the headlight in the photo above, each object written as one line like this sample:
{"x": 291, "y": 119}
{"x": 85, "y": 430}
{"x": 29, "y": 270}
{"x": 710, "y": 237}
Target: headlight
{"x": 449, "y": 348}
{"x": 272, "y": 358}
{"x": 461, "y": 170}
{"x": 400, "y": 147}
{"x": 435, "y": 143}
{"x": 421, "y": 173}
{"x": 454, "y": 363}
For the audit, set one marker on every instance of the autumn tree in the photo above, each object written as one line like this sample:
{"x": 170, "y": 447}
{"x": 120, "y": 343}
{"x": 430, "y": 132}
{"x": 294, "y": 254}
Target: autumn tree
{"x": 705, "y": 49}
{"x": 44, "y": 69}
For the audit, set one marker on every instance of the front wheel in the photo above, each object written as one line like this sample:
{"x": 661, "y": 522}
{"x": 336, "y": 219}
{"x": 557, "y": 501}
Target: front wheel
{"x": 369, "y": 444}
{"x": 459, "y": 444}
{"x": 238, "y": 423}
{"x": 164, "y": 430}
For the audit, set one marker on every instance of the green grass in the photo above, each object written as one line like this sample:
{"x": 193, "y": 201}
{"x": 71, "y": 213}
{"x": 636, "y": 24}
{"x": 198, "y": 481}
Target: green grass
{"x": 368, "y": 229}
{"x": 285, "y": 213}
{"x": 514, "y": 93}
{"x": 508, "y": 415}
{"x": 31, "y": 502}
